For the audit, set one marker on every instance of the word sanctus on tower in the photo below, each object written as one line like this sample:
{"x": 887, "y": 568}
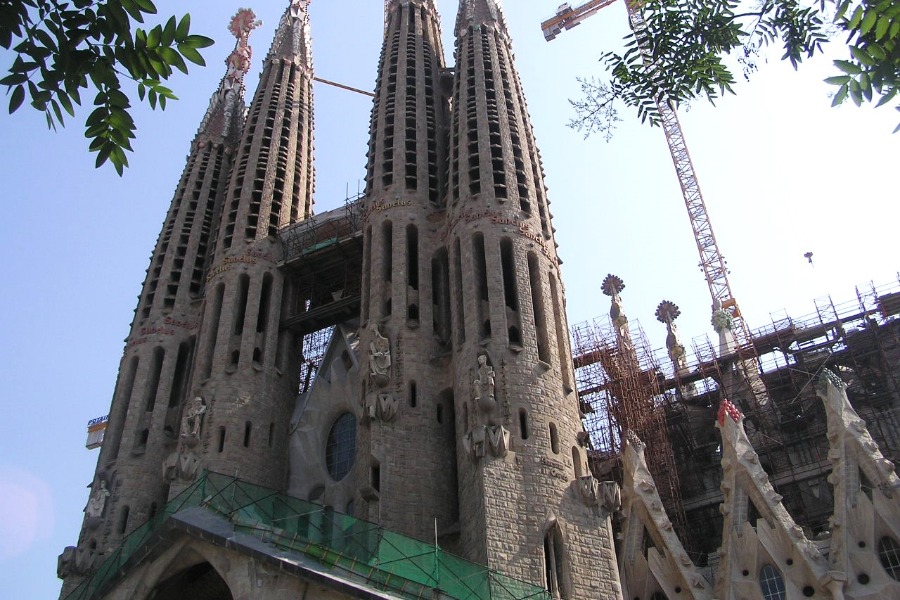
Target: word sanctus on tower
{"x": 373, "y": 402}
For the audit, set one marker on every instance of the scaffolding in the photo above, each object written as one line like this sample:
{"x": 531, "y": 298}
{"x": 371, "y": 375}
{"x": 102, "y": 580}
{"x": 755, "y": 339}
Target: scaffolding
{"x": 619, "y": 389}
{"x": 858, "y": 339}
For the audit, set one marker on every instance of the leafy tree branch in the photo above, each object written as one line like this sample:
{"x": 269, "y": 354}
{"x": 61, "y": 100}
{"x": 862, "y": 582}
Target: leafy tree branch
{"x": 64, "y": 47}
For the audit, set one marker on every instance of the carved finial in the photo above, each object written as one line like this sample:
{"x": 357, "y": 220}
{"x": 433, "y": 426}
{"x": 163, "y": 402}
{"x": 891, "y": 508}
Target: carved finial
{"x": 829, "y": 377}
{"x": 667, "y": 312}
{"x": 727, "y": 408}
{"x": 612, "y": 285}
{"x": 238, "y": 62}
{"x": 722, "y": 320}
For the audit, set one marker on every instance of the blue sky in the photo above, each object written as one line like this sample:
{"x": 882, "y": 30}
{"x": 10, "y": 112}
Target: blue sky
{"x": 781, "y": 172}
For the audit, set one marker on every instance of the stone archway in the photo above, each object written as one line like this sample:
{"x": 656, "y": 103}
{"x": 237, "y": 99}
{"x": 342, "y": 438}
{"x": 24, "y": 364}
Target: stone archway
{"x": 199, "y": 582}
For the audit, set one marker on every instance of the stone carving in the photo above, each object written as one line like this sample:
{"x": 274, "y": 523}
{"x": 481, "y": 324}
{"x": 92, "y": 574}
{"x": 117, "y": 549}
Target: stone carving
{"x": 486, "y": 437}
{"x": 379, "y": 357}
{"x": 65, "y": 564}
{"x": 643, "y": 511}
{"x": 721, "y": 320}
{"x": 499, "y": 439}
{"x": 193, "y": 418}
{"x": 181, "y": 465}
{"x": 485, "y": 402}
{"x": 612, "y": 286}
{"x": 97, "y": 502}
{"x": 381, "y": 405}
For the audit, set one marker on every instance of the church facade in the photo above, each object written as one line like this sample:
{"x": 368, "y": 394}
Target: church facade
{"x": 438, "y": 450}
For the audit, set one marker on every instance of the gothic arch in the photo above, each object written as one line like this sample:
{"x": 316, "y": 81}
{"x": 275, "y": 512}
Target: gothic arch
{"x": 185, "y": 572}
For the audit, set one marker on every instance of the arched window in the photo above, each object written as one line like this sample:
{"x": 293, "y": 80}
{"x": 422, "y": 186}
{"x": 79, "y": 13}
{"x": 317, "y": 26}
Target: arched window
{"x": 889, "y": 555}
{"x": 556, "y": 573}
{"x": 340, "y": 450}
{"x": 771, "y": 583}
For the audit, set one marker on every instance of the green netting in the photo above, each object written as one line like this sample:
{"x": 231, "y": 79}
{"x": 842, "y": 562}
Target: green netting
{"x": 344, "y": 545}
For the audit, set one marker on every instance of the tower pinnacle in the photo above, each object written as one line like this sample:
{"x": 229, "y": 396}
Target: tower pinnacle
{"x": 224, "y": 117}
{"x": 292, "y": 38}
{"x": 480, "y": 12}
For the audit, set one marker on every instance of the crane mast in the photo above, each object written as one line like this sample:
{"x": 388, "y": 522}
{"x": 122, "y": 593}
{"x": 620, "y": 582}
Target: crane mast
{"x": 711, "y": 261}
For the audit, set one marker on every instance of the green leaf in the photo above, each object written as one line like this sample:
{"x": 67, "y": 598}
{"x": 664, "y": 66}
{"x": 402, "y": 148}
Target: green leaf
{"x": 862, "y": 56}
{"x": 848, "y": 67}
{"x": 882, "y": 27}
{"x": 840, "y": 96}
{"x": 191, "y": 54}
{"x": 168, "y": 34}
{"x": 18, "y": 96}
{"x": 838, "y": 80}
{"x": 868, "y": 21}
{"x": 198, "y": 41}
{"x": 184, "y": 28}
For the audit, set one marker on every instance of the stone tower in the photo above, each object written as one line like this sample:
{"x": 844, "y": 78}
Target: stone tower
{"x": 528, "y": 504}
{"x": 152, "y": 387}
{"x": 408, "y": 432}
{"x": 240, "y": 374}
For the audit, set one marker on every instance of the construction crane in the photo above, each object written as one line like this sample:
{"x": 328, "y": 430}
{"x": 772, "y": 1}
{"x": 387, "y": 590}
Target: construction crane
{"x": 711, "y": 261}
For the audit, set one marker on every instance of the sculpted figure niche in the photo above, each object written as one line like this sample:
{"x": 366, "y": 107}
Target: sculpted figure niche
{"x": 97, "y": 501}
{"x": 379, "y": 357}
{"x": 193, "y": 418}
{"x": 487, "y": 433}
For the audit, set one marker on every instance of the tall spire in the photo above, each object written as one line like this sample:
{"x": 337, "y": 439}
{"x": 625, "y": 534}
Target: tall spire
{"x": 225, "y": 116}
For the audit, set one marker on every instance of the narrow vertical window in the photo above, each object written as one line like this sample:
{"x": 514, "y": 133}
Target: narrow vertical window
{"x": 556, "y": 574}
{"x": 483, "y": 305}
{"x": 375, "y": 476}
{"x": 458, "y": 286}
{"x": 554, "y": 439}
{"x": 523, "y": 423}
{"x": 271, "y": 439}
{"x": 510, "y": 294}
{"x": 240, "y": 307}
{"x": 367, "y": 273}
{"x": 212, "y": 331}
{"x": 537, "y": 301}
{"x": 771, "y": 583}
{"x": 412, "y": 394}
{"x": 123, "y": 519}
{"x": 559, "y": 316}
{"x": 440, "y": 284}
{"x": 412, "y": 274}
{"x": 153, "y": 378}
{"x": 248, "y": 428}
{"x": 221, "y": 439}
{"x": 120, "y": 409}
{"x": 387, "y": 261}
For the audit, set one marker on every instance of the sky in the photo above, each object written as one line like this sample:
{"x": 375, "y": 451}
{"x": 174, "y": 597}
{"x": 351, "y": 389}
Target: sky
{"x": 782, "y": 174}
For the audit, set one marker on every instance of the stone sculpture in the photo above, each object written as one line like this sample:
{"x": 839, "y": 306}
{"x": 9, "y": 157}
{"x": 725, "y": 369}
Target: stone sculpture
{"x": 379, "y": 357}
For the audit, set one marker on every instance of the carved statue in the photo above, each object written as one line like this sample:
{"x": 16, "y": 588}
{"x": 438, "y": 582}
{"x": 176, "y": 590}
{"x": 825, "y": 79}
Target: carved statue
{"x": 97, "y": 501}
{"x": 484, "y": 389}
{"x": 379, "y": 356}
{"x": 193, "y": 417}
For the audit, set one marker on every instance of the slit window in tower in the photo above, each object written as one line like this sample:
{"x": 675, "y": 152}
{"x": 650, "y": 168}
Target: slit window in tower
{"x": 387, "y": 260}
{"x": 412, "y": 394}
{"x": 482, "y": 302}
{"x": 537, "y": 301}
{"x": 221, "y": 446}
{"x": 271, "y": 440}
{"x": 375, "y": 476}
{"x": 440, "y": 289}
{"x": 367, "y": 274}
{"x": 554, "y": 439}
{"x": 123, "y": 519}
{"x": 412, "y": 275}
{"x": 113, "y": 438}
{"x": 561, "y": 350}
{"x": 458, "y": 287}
{"x": 510, "y": 293}
{"x": 153, "y": 380}
{"x": 523, "y": 423}
{"x": 248, "y": 429}
{"x": 213, "y": 331}
{"x": 240, "y": 307}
